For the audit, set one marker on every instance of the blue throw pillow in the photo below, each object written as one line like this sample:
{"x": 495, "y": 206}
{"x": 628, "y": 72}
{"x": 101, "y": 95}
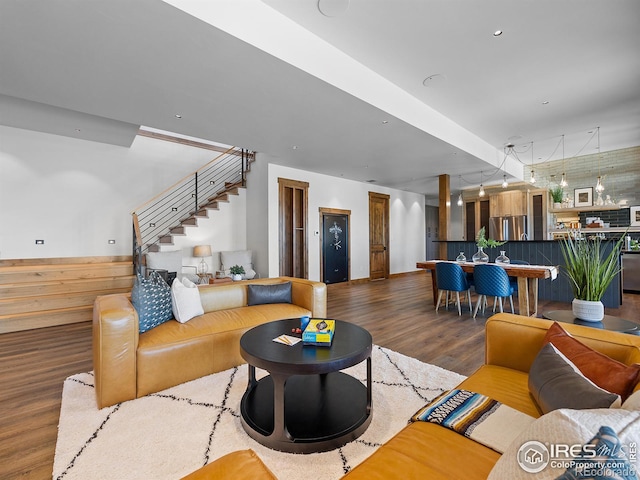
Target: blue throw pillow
{"x": 151, "y": 297}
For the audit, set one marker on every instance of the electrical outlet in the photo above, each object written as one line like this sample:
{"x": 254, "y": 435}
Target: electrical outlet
{"x": 111, "y": 242}
{"x": 39, "y": 242}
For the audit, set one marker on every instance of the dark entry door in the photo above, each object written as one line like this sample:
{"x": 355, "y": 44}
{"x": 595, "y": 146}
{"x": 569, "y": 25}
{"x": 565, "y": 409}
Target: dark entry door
{"x": 335, "y": 248}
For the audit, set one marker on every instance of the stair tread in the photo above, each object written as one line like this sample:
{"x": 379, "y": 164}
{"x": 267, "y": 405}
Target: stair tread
{"x": 202, "y": 212}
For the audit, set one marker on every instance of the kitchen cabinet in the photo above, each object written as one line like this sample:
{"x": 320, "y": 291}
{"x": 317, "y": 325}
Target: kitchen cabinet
{"x": 507, "y": 204}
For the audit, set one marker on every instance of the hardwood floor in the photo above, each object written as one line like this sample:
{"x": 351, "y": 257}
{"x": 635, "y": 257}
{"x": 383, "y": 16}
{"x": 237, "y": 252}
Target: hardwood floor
{"x": 399, "y": 313}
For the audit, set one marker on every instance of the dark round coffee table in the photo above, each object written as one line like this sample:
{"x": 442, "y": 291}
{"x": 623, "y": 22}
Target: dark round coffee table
{"x": 609, "y": 322}
{"x": 305, "y": 404}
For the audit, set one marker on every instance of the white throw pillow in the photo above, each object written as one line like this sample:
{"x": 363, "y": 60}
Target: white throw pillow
{"x": 185, "y": 300}
{"x": 566, "y": 427}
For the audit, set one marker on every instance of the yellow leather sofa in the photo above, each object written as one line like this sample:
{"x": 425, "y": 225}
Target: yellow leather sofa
{"x": 428, "y": 451}
{"x": 129, "y": 365}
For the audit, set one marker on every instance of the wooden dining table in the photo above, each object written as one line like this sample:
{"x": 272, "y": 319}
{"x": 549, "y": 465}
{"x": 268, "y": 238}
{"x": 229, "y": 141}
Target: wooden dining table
{"x": 527, "y": 275}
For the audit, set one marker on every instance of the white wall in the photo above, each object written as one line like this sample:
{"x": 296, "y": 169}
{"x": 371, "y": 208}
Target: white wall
{"x": 406, "y": 222}
{"x": 257, "y": 214}
{"x": 76, "y": 195}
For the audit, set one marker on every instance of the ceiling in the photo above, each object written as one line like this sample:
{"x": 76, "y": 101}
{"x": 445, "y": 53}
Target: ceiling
{"x": 396, "y": 92}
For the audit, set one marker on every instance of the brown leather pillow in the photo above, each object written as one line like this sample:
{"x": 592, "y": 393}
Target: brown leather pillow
{"x": 607, "y": 373}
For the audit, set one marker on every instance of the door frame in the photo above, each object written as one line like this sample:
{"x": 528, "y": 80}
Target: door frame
{"x": 386, "y": 198}
{"x": 304, "y": 186}
{"x": 334, "y": 211}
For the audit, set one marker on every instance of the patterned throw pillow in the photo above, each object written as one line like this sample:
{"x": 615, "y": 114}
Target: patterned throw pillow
{"x": 151, "y": 297}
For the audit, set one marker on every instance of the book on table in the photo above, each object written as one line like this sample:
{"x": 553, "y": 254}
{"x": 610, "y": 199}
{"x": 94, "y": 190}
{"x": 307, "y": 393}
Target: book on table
{"x": 319, "y": 332}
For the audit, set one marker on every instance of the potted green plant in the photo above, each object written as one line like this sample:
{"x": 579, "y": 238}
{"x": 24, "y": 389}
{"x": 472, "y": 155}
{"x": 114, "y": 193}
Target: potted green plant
{"x": 590, "y": 272}
{"x": 482, "y": 242}
{"x": 236, "y": 272}
{"x": 556, "y": 195}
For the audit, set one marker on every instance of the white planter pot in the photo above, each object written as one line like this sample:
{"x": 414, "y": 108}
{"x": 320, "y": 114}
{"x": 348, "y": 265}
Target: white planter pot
{"x": 587, "y": 310}
{"x": 237, "y": 277}
{"x": 557, "y": 205}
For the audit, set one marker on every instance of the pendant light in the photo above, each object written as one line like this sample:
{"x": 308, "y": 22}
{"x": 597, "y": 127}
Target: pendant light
{"x": 507, "y": 149}
{"x": 481, "y": 192}
{"x": 532, "y": 180}
{"x": 599, "y": 186}
{"x": 563, "y": 181}
{"x": 460, "y": 202}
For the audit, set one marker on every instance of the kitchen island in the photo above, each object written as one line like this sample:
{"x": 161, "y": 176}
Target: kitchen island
{"x": 540, "y": 252}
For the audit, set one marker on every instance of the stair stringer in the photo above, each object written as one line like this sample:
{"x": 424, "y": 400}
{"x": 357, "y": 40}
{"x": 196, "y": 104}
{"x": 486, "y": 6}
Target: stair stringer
{"x": 225, "y": 229}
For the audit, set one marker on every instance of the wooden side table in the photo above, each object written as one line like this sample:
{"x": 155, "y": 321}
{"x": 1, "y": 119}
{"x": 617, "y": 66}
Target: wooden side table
{"x": 219, "y": 281}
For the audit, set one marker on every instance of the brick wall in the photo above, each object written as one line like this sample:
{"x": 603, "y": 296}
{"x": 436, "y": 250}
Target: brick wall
{"x": 615, "y": 218}
{"x": 619, "y": 169}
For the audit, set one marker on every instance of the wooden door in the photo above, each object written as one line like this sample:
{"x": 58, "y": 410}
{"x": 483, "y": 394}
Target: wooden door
{"x": 470, "y": 221}
{"x": 293, "y": 228}
{"x": 538, "y": 218}
{"x": 484, "y": 215}
{"x": 378, "y": 236}
{"x": 335, "y": 245}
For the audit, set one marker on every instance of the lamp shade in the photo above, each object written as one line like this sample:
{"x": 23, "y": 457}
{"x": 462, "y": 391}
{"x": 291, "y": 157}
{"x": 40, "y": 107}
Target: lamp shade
{"x": 202, "y": 251}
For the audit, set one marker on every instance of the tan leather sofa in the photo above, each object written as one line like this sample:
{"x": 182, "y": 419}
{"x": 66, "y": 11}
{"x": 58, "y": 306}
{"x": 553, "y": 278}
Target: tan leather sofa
{"x": 129, "y": 365}
{"x": 428, "y": 451}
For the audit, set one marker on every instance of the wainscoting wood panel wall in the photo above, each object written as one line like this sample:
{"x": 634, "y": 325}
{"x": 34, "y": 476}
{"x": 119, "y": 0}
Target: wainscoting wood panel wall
{"x": 37, "y": 293}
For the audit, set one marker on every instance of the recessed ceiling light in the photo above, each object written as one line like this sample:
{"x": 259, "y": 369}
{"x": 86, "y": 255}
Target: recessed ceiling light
{"x": 294, "y": 147}
{"x": 384, "y": 122}
{"x": 371, "y": 181}
{"x": 333, "y": 8}
{"x": 433, "y": 80}
{"x": 497, "y": 33}
{"x": 78, "y": 130}
{"x": 546, "y": 102}
{"x": 178, "y": 115}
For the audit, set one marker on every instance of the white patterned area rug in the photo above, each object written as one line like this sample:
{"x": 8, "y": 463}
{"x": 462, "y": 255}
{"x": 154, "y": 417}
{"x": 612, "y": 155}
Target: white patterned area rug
{"x": 174, "y": 432}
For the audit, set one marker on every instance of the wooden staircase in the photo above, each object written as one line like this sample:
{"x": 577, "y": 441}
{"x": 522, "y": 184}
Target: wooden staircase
{"x": 211, "y": 204}
{"x": 36, "y": 293}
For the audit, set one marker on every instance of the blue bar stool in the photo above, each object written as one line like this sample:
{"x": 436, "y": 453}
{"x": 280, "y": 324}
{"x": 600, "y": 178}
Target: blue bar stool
{"x": 451, "y": 278}
{"x": 491, "y": 281}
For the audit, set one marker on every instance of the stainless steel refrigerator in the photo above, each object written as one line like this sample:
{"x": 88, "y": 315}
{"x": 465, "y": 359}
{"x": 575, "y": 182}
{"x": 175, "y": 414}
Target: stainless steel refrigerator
{"x": 508, "y": 228}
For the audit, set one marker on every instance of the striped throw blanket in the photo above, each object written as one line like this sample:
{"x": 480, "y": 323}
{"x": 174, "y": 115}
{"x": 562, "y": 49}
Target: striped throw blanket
{"x": 477, "y": 417}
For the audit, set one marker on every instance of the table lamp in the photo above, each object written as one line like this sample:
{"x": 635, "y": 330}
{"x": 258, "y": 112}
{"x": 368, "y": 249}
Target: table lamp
{"x": 202, "y": 251}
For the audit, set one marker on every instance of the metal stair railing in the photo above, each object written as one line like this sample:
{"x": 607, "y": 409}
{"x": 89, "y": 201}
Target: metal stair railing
{"x": 186, "y": 199}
